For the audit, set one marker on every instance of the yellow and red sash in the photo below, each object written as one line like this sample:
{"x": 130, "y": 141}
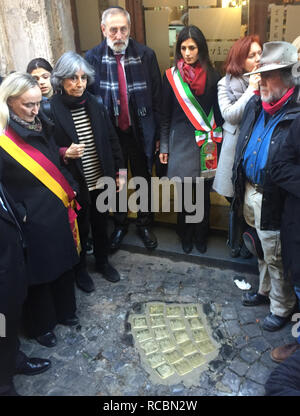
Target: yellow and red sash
{"x": 207, "y": 133}
{"x": 46, "y": 172}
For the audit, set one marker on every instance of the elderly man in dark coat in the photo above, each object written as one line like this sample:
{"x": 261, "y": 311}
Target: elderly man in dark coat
{"x": 266, "y": 123}
{"x": 129, "y": 82}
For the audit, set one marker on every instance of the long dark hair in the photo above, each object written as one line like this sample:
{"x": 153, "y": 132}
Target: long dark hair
{"x": 38, "y": 63}
{"x": 193, "y": 32}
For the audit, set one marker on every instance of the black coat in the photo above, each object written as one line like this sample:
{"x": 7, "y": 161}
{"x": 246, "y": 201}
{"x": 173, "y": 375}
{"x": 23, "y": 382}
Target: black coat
{"x": 13, "y": 277}
{"x": 285, "y": 171}
{"x": 285, "y": 379}
{"x": 149, "y": 124}
{"x": 106, "y": 140}
{"x": 273, "y": 197}
{"x": 177, "y": 132}
{"x": 50, "y": 246}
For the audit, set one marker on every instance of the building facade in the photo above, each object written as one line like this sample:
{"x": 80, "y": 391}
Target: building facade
{"x": 47, "y": 28}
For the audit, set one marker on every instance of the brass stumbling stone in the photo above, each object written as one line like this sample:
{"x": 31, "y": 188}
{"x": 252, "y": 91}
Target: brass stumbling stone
{"x": 174, "y": 341}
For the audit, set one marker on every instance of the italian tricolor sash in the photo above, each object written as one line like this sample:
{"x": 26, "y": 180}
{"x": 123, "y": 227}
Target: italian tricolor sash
{"x": 46, "y": 172}
{"x": 207, "y": 134}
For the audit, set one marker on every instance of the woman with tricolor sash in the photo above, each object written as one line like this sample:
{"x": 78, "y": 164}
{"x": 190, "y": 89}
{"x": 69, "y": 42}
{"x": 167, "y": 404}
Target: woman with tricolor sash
{"x": 190, "y": 127}
{"x": 32, "y": 174}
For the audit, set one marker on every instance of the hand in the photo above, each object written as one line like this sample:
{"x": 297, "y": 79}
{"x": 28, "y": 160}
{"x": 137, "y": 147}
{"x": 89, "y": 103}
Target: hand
{"x": 120, "y": 182}
{"x": 75, "y": 151}
{"x": 157, "y": 144}
{"x": 254, "y": 81}
{"x": 163, "y": 157}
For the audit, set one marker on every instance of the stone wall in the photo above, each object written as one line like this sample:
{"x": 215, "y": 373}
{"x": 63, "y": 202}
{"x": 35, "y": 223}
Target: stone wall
{"x": 31, "y": 29}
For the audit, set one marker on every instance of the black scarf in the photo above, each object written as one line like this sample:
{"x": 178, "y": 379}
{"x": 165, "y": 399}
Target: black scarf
{"x": 74, "y": 102}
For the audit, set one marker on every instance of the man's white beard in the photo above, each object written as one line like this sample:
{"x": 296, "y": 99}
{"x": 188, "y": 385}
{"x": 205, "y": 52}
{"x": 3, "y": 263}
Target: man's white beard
{"x": 119, "y": 48}
{"x": 274, "y": 96}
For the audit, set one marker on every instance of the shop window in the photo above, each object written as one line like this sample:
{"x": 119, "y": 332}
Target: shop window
{"x": 222, "y": 23}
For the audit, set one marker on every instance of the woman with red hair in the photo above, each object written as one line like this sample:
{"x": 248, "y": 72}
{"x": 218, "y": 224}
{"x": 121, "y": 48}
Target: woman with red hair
{"x": 234, "y": 91}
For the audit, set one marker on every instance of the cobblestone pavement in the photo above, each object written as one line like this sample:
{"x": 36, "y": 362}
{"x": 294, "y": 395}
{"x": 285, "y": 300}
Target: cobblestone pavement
{"x": 97, "y": 358}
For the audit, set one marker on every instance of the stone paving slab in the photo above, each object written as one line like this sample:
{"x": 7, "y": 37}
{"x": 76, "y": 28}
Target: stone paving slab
{"x": 98, "y": 356}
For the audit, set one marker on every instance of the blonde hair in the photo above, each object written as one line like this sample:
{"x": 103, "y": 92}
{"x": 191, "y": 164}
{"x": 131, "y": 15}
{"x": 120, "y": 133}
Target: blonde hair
{"x": 13, "y": 86}
{"x": 296, "y": 43}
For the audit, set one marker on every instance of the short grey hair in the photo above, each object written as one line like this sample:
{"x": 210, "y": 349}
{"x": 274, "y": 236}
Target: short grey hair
{"x": 112, "y": 11}
{"x": 67, "y": 66}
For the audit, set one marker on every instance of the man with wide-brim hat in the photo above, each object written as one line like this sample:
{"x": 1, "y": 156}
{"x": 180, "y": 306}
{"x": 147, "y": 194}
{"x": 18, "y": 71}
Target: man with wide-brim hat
{"x": 265, "y": 125}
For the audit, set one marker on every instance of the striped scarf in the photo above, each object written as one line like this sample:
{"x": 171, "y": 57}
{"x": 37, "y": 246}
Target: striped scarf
{"x": 135, "y": 77}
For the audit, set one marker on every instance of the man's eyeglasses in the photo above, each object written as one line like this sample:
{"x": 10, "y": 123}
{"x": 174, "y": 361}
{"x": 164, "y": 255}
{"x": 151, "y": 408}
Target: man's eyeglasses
{"x": 114, "y": 30}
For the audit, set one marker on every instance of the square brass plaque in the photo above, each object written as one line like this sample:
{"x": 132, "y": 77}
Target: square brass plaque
{"x": 206, "y": 346}
{"x": 156, "y": 309}
{"x": 183, "y": 367}
{"x": 140, "y": 322}
{"x": 190, "y": 311}
{"x": 188, "y": 348}
{"x": 195, "y": 323}
{"x": 157, "y": 321}
{"x": 165, "y": 371}
{"x": 155, "y": 360}
{"x": 180, "y": 336}
{"x": 196, "y": 360}
{"x": 161, "y": 333}
{"x": 176, "y": 324}
{"x": 166, "y": 344}
{"x": 200, "y": 335}
{"x": 173, "y": 311}
{"x": 143, "y": 334}
{"x": 149, "y": 346}
{"x": 173, "y": 356}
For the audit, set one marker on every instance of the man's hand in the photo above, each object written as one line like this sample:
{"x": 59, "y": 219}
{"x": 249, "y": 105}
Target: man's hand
{"x": 254, "y": 81}
{"x": 163, "y": 157}
{"x": 120, "y": 182}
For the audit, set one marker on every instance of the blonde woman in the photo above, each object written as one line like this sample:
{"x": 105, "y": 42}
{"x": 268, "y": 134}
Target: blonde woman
{"x": 31, "y": 173}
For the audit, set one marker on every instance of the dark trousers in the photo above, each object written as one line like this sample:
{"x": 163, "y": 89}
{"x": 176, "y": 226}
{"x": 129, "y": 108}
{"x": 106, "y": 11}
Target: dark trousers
{"x": 90, "y": 216}
{"x": 8, "y": 352}
{"x": 48, "y": 304}
{"x": 195, "y": 231}
{"x": 133, "y": 153}
{"x": 11, "y": 358}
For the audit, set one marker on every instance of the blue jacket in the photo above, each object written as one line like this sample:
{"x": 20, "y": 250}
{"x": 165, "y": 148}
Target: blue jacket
{"x": 150, "y": 123}
{"x": 273, "y": 196}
